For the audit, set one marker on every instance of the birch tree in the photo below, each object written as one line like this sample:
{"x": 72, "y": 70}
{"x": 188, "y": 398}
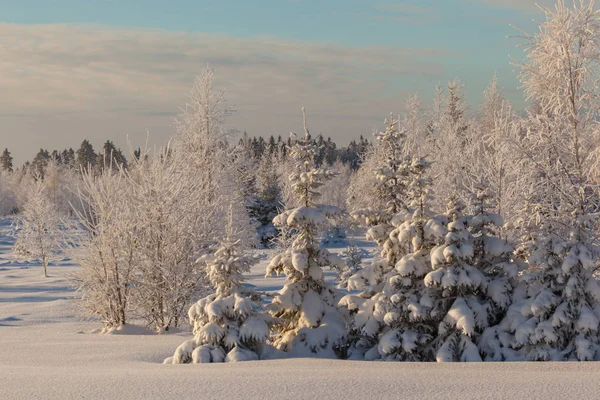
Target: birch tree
{"x": 38, "y": 226}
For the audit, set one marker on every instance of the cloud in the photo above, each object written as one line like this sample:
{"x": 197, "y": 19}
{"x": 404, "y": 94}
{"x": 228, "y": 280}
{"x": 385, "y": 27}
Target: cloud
{"x": 528, "y": 6}
{"x": 63, "y": 83}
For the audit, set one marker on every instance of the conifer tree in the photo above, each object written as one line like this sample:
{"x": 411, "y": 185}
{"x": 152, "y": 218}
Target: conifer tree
{"x": 40, "y": 162}
{"x": 85, "y": 155}
{"x": 474, "y": 273}
{"x": 394, "y": 321}
{"x": 269, "y": 198}
{"x": 111, "y": 157}
{"x": 6, "y": 161}
{"x": 353, "y": 256}
{"x": 391, "y": 172}
{"x": 310, "y": 321}
{"x": 228, "y": 325}
{"x": 68, "y": 158}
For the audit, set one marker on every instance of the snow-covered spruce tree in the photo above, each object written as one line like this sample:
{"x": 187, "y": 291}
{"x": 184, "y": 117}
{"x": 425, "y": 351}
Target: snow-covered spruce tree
{"x": 311, "y": 324}
{"x": 560, "y": 74}
{"x": 353, "y": 256}
{"x": 496, "y": 257}
{"x": 558, "y": 319}
{"x": 168, "y": 277}
{"x": 392, "y": 172}
{"x": 473, "y": 273}
{"x": 38, "y": 226}
{"x": 396, "y": 323}
{"x": 228, "y": 325}
{"x": 410, "y": 307}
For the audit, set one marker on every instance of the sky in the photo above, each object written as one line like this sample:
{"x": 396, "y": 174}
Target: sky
{"x": 121, "y": 69}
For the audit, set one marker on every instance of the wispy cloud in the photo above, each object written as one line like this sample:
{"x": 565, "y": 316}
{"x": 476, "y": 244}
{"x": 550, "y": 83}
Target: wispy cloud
{"x": 123, "y": 75}
{"x": 528, "y": 6}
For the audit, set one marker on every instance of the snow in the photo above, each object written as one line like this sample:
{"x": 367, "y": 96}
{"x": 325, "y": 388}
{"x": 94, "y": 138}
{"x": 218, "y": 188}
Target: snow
{"x": 47, "y": 351}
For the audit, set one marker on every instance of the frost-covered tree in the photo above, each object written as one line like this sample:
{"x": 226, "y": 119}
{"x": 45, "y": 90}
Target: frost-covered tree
{"x": 558, "y": 319}
{"x": 61, "y": 184}
{"x": 230, "y": 324}
{"x": 362, "y": 193}
{"x": 204, "y": 154}
{"x": 560, "y": 74}
{"x": 107, "y": 254}
{"x": 8, "y": 193}
{"x": 450, "y": 135}
{"x": 493, "y": 104}
{"x": 311, "y": 324}
{"x": 335, "y": 191}
{"x": 413, "y": 123}
{"x": 494, "y": 160}
{"x": 168, "y": 277}
{"x": 391, "y": 171}
{"x": 38, "y": 226}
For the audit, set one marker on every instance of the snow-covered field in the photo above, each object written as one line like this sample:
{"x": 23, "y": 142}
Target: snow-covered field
{"x": 45, "y": 353}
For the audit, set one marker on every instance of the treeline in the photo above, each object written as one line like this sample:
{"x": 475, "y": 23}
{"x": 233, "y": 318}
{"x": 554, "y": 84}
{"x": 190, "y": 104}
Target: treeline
{"x": 257, "y": 147}
{"x": 328, "y": 151}
{"x": 84, "y": 157}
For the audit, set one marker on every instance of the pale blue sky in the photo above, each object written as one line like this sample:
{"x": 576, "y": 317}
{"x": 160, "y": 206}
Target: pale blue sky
{"x": 102, "y": 69}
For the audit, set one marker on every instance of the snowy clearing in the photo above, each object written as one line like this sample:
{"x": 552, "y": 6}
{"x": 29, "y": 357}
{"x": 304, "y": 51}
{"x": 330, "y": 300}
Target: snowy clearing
{"x": 44, "y": 354}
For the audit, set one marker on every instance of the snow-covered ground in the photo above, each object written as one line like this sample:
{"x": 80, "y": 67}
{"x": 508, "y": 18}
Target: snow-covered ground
{"x": 45, "y": 353}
